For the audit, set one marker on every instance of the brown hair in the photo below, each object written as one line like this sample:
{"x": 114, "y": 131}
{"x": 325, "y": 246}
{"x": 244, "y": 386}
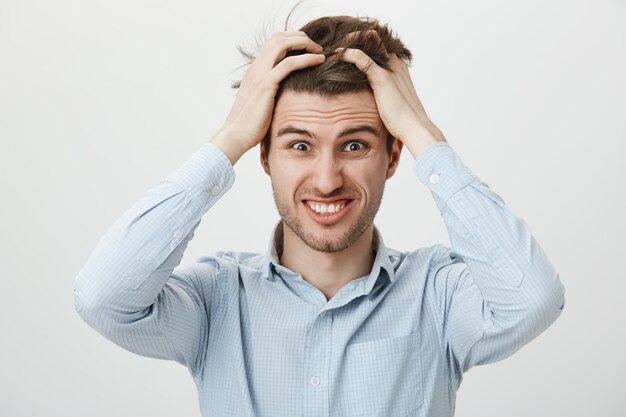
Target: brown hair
{"x": 334, "y": 76}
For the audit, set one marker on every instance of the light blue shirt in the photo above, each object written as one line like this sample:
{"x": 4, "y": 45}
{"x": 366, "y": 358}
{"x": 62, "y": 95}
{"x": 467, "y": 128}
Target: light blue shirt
{"x": 259, "y": 340}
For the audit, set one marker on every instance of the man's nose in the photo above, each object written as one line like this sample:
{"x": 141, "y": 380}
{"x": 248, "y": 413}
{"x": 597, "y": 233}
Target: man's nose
{"x": 327, "y": 174}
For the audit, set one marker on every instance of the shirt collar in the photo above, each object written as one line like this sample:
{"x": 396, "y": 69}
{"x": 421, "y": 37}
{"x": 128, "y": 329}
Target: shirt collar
{"x": 383, "y": 259}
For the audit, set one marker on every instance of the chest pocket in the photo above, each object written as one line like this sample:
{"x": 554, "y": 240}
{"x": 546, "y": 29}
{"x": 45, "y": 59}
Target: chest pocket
{"x": 382, "y": 377}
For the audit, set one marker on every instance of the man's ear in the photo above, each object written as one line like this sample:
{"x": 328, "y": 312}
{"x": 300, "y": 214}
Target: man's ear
{"x": 394, "y": 157}
{"x": 264, "y": 163}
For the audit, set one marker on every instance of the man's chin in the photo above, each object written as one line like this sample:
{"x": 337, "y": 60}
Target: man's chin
{"x": 326, "y": 238}
{"x": 330, "y": 240}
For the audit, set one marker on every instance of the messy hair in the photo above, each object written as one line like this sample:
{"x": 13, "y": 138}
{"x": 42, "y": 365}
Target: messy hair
{"x": 335, "y": 76}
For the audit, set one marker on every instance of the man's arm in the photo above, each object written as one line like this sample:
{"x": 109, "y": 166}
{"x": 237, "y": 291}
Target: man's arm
{"x": 130, "y": 290}
{"x": 496, "y": 289}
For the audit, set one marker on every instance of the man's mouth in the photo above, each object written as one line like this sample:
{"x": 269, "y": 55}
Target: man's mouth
{"x": 323, "y": 208}
{"x": 327, "y": 212}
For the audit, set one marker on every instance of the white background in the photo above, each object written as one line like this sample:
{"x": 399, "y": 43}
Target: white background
{"x": 100, "y": 100}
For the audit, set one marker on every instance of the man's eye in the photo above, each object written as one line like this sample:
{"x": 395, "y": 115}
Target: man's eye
{"x": 300, "y": 146}
{"x": 354, "y": 146}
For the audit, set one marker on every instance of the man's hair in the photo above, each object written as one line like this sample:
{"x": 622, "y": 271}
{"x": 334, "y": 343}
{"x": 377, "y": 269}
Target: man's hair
{"x": 334, "y": 76}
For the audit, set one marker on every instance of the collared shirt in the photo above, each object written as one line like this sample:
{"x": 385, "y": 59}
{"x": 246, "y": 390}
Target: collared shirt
{"x": 259, "y": 340}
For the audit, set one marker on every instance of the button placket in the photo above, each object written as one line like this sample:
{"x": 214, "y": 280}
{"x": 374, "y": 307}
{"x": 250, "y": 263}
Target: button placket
{"x": 317, "y": 362}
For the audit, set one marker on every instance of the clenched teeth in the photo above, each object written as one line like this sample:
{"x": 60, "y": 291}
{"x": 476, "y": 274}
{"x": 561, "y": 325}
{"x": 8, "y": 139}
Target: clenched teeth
{"x": 326, "y": 208}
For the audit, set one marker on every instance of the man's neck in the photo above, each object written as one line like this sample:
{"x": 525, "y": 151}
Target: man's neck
{"x": 328, "y": 271}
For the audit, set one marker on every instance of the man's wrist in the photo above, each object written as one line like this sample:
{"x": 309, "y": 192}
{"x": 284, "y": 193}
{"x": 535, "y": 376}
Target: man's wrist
{"x": 421, "y": 137}
{"x": 224, "y": 140}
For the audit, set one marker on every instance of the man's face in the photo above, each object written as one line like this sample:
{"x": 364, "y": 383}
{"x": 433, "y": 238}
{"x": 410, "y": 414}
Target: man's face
{"x": 328, "y": 165}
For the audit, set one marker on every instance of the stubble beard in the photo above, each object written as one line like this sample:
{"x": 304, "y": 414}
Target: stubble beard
{"x": 291, "y": 220}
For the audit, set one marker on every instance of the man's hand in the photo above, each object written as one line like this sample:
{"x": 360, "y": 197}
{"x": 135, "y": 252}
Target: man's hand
{"x": 251, "y": 113}
{"x": 398, "y": 105}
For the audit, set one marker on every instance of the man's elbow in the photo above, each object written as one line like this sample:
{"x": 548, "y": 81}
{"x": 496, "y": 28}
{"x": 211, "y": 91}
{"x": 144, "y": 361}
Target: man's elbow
{"x": 549, "y": 301}
{"x": 88, "y": 303}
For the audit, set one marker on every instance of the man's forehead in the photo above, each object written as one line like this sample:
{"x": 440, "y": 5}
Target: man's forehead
{"x": 344, "y": 111}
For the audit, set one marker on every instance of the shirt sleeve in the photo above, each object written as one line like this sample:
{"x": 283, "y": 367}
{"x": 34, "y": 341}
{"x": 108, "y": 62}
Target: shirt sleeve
{"x": 131, "y": 291}
{"x": 495, "y": 287}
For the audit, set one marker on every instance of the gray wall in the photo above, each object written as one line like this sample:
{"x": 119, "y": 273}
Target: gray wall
{"x": 100, "y": 100}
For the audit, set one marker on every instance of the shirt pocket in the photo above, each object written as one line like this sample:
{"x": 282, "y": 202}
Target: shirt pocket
{"x": 383, "y": 377}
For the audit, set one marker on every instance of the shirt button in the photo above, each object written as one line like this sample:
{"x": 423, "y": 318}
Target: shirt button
{"x": 465, "y": 230}
{"x": 323, "y": 314}
{"x": 434, "y": 178}
{"x": 177, "y": 233}
{"x": 315, "y": 381}
{"x": 215, "y": 190}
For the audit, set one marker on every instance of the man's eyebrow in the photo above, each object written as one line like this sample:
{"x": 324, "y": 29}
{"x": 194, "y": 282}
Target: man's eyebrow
{"x": 349, "y": 131}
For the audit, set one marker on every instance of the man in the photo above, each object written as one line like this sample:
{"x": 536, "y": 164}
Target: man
{"x": 329, "y": 321}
